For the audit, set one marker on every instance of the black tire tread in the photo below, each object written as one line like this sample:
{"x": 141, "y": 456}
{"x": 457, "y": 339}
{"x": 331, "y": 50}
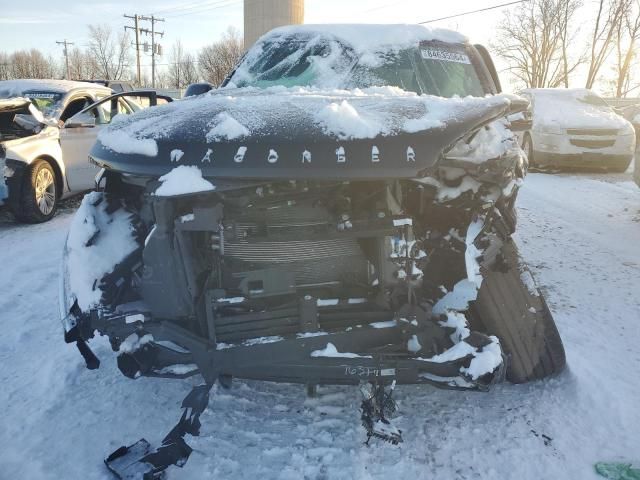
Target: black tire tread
{"x": 530, "y": 340}
{"x": 25, "y": 208}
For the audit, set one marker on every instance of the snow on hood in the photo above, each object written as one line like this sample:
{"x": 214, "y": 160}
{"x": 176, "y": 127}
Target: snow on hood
{"x": 286, "y": 112}
{"x": 281, "y": 132}
{"x": 572, "y": 108}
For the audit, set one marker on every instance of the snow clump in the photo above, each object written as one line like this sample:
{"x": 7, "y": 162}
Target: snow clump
{"x": 93, "y": 250}
{"x": 226, "y": 128}
{"x": 183, "y": 180}
{"x": 122, "y": 141}
{"x": 345, "y": 122}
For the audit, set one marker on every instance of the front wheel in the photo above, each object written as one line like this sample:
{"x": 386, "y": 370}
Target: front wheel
{"x": 38, "y": 199}
{"x": 510, "y": 306}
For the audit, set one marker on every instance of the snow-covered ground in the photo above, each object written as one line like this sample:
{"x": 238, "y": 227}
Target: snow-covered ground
{"x": 579, "y": 233}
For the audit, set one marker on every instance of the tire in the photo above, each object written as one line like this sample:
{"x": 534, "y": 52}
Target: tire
{"x": 505, "y": 308}
{"x": 527, "y": 146}
{"x": 38, "y": 195}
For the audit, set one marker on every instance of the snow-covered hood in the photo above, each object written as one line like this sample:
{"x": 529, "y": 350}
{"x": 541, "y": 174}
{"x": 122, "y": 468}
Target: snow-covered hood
{"x": 296, "y": 133}
{"x": 20, "y": 105}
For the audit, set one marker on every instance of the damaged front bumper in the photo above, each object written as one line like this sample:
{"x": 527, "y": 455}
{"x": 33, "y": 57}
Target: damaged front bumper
{"x": 147, "y": 347}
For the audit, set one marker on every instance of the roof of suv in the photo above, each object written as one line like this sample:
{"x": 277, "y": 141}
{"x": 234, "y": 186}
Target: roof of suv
{"x": 59, "y": 86}
{"x": 373, "y": 36}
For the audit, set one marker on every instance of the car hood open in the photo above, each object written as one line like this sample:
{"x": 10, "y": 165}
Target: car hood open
{"x": 20, "y": 118}
{"x": 297, "y": 133}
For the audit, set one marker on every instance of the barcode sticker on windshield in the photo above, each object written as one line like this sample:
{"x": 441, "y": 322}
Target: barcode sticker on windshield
{"x": 445, "y": 55}
{"x": 40, "y": 95}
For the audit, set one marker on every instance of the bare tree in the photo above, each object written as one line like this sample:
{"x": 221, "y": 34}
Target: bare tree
{"x": 110, "y": 52}
{"x": 182, "y": 67}
{"x": 534, "y": 40}
{"x": 162, "y": 79}
{"x": 5, "y": 66}
{"x": 31, "y": 64}
{"x": 567, "y": 10}
{"x": 626, "y": 37}
{"x": 609, "y": 16}
{"x": 217, "y": 60}
{"x": 82, "y": 65}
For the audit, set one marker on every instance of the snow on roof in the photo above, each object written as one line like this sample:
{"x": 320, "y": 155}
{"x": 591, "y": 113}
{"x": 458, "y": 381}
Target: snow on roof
{"x": 17, "y": 87}
{"x": 372, "y": 37}
{"x": 330, "y": 50}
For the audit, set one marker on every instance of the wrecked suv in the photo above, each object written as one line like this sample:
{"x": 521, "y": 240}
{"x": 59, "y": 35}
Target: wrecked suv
{"x": 340, "y": 212}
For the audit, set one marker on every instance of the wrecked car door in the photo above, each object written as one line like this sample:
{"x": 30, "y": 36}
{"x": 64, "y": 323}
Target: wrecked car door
{"x": 78, "y": 136}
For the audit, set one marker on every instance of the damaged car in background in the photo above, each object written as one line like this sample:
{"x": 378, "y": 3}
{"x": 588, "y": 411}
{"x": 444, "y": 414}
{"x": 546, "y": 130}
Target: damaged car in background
{"x": 47, "y": 128}
{"x": 340, "y": 212}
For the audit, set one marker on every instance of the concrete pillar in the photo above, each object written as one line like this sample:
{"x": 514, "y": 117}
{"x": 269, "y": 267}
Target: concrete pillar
{"x": 260, "y": 16}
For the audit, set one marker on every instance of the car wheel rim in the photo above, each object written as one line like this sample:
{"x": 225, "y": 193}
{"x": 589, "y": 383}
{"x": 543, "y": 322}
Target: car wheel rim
{"x": 45, "y": 191}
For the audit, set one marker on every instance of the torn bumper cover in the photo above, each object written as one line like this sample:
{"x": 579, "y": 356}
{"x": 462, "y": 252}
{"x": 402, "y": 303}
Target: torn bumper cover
{"x": 222, "y": 297}
{"x": 157, "y": 349}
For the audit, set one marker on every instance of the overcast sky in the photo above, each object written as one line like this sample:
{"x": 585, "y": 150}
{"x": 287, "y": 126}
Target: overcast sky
{"x": 39, "y": 23}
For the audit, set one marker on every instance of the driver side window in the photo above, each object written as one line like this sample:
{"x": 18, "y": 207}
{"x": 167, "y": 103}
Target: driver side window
{"x": 103, "y": 113}
{"x": 74, "y": 107}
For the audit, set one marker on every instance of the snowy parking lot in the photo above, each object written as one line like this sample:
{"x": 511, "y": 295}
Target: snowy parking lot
{"x": 580, "y": 233}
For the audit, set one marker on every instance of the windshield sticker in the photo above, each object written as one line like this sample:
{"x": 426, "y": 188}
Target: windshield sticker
{"x": 444, "y": 55}
{"x": 50, "y": 96}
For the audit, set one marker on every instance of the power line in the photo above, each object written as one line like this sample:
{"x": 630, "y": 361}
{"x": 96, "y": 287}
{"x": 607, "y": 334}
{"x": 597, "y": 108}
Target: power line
{"x": 154, "y": 51}
{"x": 206, "y": 9}
{"x": 137, "y": 30}
{"x": 188, "y": 6}
{"x": 66, "y": 54}
{"x": 472, "y": 11}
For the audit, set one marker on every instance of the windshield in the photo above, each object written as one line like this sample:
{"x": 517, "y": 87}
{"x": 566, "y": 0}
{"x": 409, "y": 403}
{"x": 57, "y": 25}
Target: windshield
{"x": 434, "y": 68}
{"x": 581, "y": 100}
{"x": 595, "y": 101}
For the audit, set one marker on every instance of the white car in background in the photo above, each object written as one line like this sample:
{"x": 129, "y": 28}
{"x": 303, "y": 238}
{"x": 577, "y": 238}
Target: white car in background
{"x": 576, "y": 128}
{"x": 47, "y": 128}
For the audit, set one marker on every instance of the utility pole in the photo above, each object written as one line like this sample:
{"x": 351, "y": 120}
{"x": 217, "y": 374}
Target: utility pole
{"x": 154, "y": 50}
{"x": 137, "y": 30}
{"x": 66, "y": 55}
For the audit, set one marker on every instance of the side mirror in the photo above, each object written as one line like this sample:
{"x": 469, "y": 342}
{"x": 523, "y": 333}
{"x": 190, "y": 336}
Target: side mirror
{"x": 79, "y": 120}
